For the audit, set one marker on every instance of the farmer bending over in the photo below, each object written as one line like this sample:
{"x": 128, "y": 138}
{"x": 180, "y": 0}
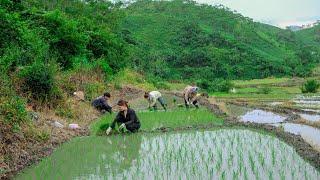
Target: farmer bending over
{"x": 152, "y": 97}
{"x": 101, "y": 104}
{"x": 126, "y": 118}
{"x": 189, "y": 94}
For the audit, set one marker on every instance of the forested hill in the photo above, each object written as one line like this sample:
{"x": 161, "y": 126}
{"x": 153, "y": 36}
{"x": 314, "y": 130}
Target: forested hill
{"x": 311, "y": 37}
{"x": 172, "y": 40}
{"x": 182, "y": 39}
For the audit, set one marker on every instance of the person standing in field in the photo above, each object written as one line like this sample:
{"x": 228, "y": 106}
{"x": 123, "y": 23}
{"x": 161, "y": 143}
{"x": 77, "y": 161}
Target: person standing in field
{"x": 101, "y": 103}
{"x": 126, "y": 119}
{"x": 153, "y": 97}
{"x": 190, "y": 96}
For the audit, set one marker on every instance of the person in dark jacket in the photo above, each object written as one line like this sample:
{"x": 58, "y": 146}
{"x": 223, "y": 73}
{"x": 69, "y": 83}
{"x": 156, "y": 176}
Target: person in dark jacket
{"x": 126, "y": 118}
{"x": 101, "y": 103}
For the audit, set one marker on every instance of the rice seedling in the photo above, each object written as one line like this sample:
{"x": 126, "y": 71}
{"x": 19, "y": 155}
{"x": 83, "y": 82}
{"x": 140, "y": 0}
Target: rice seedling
{"x": 160, "y": 119}
{"x": 176, "y": 155}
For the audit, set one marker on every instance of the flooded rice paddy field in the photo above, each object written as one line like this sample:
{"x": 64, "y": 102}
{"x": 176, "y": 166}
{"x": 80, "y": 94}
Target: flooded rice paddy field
{"x": 214, "y": 154}
{"x": 310, "y": 134}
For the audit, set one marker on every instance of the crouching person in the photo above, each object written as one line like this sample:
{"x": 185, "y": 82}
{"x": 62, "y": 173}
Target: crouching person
{"x": 153, "y": 97}
{"x": 101, "y": 103}
{"x": 126, "y": 118}
{"x": 190, "y": 96}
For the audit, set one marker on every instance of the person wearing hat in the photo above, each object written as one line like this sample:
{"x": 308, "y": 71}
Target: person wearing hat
{"x": 101, "y": 103}
{"x": 126, "y": 119}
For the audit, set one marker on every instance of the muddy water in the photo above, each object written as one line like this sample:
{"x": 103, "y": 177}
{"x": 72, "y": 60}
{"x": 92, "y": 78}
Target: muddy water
{"x": 235, "y": 110}
{"x": 260, "y": 116}
{"x": 246, "y": 114}
{"x": 220, "y": 154}
{"x": 308, "y": 133}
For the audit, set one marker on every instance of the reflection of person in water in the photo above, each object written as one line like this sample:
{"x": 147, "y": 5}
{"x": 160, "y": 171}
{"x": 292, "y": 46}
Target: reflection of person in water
{"x": 127, "y": 149}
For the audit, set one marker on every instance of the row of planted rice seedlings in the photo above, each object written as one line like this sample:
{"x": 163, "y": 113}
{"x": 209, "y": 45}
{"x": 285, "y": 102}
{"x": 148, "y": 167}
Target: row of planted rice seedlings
{"x": 226, "y": 154}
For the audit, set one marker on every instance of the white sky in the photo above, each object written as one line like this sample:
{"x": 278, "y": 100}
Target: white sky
{"x": 279, "y": 13}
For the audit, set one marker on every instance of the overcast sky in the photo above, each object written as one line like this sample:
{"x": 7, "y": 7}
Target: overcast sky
{"x": 280, "y": 13}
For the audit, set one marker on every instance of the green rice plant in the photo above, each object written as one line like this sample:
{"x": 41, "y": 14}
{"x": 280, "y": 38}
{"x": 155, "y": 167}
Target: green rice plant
{"x": 261, "y": 159}
{"x": 282, "y": 175}
{"x": 270, "y": 174}
{"x": 273, "y": 155}
{"x": 251, "y": 161}
{"x": 235, "y": 175}
{"x": 170, "y": 119}
{"x": 136, "y": 156}
{"x": 246, "y": 177}
{"x": 223, "y": 175}
{"x": 230, "y": 159}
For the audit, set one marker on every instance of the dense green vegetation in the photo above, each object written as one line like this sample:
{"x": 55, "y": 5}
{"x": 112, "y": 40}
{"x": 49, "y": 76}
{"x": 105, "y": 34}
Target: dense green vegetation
{"x": 311, "y": 37}
{"x": 184, "y": 40}
{"x": 41, "y": 41}
{"x": 45, "y": 47}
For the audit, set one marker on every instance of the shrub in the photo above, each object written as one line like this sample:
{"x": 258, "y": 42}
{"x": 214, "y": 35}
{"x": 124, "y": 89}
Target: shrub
{"x": 65, "y": 112}
{"x": 107, "y": 48}
{"x": 93, "y": 90}
{"x": 106, "y": 69}
{"x": 264, "y": 90}
{"x": 12, "y": 111}
{"x": 217, "y": 85}
{"x": 12, "y": 107}
{"x": 157, "y": 82}
{"x": 311, "y": 86}
{"x": 39, "y": 80}
{"x": 224, "y": 85}
{"x": 204, "y": 84}
{"x": 64, "y": 37}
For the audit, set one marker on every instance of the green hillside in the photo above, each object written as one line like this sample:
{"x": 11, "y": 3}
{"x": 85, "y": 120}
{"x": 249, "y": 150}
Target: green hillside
{"x": 310, "y": 37}
{"x": 184, "y": 40}
{"x": 49, "y": 49}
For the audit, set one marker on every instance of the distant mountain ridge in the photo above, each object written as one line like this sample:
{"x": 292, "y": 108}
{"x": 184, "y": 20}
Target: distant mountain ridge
{"x": 305, "y": 26}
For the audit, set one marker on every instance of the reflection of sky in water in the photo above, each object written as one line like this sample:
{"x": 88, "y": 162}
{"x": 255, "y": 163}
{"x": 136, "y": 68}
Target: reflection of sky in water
{"x": 310, "y": 117}
{"x": 260, "y": 116}
{"x": 308, "y": 133}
